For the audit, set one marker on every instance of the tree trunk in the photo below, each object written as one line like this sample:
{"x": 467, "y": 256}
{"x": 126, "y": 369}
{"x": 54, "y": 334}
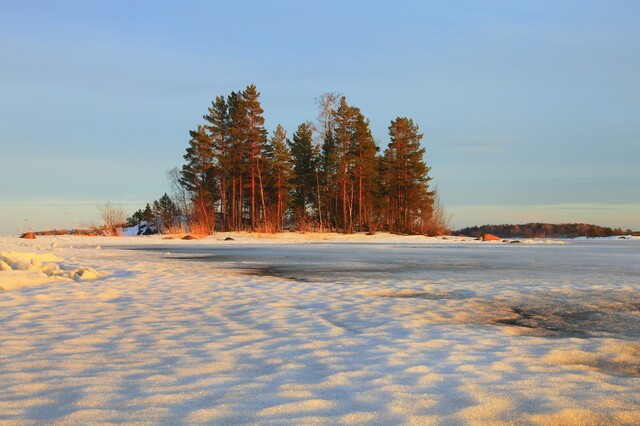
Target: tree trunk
{"x": 344, "y": 206}
{"x": 264, "y": 207}
{"x": 234, "y": 218}
{"x": 279, "y": 209}
{"x": 241, "y": 213}
{"x": 319, "y": 204}
{"x": 360, "y": 196}
{"x": 223, "y": 202}
{"x": 253, "y": 188}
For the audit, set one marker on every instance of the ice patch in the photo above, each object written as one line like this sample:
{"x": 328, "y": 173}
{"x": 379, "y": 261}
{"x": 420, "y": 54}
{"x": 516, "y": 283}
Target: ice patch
{"x": 416, "y": 294}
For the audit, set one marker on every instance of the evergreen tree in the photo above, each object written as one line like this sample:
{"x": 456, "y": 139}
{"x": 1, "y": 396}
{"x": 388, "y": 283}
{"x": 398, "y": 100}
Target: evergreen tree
{"x": 147, "y": 214}
{"x": 329, "y": 167}
{"x": 198, "y": 176}
{"x": 165, "y": 212}
{"x": 328, "y": 160}
{"x": 341, "y": 182}
{"x": 237, "y": 157}
{"x": 279, "y": 158}
{"x": 363, "y": 152}
{"x": 410, "y": 201}
{"x": 345, "y": 129}
{"x": 135, "y": 218}
{"x": 148, "y": 221}
{"x": 144, "y": 220}
{"x": 219, "y": 130}
{"x": 303, "y": 162}
{"x": 256, "y": 137}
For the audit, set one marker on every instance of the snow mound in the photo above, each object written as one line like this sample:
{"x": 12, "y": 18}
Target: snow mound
{"x": 22, "y": 269}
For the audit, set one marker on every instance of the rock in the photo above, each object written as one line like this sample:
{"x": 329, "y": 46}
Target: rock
{"x": 491, "y": 237}
{"x": 516, "y": 242}
{"x": 167, "y": 238}
{"x": 189, "y": 237}
{"x": 28, "y": 236}
{"x": 229, "y": 239}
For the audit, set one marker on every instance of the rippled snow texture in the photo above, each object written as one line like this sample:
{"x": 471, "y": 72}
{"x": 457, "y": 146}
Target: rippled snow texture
{"x": 380, "y": 331}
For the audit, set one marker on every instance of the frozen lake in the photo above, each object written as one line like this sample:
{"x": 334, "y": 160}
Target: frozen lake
{"x": 580, "y": 288}
{"x": 292, "y": 330}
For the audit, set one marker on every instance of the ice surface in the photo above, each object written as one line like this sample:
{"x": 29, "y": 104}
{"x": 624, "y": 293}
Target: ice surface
{"x": 325, "y": 329}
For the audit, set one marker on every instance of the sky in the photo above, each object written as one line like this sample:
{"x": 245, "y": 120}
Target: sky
{"x": 529, "y": 109}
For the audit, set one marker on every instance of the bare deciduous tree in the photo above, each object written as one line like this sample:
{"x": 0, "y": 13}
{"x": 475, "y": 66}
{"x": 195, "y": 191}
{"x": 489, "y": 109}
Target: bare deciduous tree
{"x": 179, "y": 193}
{"x": 113, "y": 217}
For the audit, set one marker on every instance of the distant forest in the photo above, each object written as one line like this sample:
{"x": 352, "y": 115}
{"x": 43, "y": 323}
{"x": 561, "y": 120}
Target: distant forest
{"x": 329, "y": 175}
{"x": 544, "y": 230}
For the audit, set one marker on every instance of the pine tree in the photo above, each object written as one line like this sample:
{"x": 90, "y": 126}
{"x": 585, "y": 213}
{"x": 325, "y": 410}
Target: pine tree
{"x": 147, "y": 214}
{"x": 342, "y": 182}
{"x": 148, "y": 219}
{"x": 345, "y": 119}
{"x": 303, "y": 161}
{"x": 410, "y": 201}
{"x": 328, "y": 160}
{"x": 279, "y": 158}
{"x": 329, "y": 166}
{"x": 237, "y": 157}
{"x": 198, "y": 176}
{"x": 219, "y": 130}
{"x": 165, "y": 212}
{"x": 363, "y": 152}
{"x": 256, "y": 137}
{"x": 135, "y": 219}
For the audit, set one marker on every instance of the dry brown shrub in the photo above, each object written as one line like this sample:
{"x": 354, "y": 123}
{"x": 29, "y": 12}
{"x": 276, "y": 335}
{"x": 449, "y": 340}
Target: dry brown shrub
{"x": 175, "y": 229}
{"x": 267, "y": 228}
{"x": 199, "y": 228}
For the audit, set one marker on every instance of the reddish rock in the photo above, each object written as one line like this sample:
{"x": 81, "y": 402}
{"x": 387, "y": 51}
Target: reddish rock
{"x": 491, "y": 237}
{"x": 28, "y": 236}
{"x": 189, "y": 237}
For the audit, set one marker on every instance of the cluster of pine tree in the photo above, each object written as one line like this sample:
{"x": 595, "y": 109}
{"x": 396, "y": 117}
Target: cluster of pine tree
{"x": 164, "y": 215}
{"x": 238, "y": 177}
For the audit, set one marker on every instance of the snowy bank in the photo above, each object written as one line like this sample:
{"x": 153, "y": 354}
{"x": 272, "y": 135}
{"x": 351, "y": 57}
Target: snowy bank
{"x": 26, "y": 269}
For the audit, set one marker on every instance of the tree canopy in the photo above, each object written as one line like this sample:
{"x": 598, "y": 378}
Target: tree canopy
{"x": 327, "y": 176}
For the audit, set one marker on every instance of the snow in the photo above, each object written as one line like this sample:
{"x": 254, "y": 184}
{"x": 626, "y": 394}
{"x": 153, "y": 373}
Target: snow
{"x": 320, "y": 328}
{"x": 24, "y": 269}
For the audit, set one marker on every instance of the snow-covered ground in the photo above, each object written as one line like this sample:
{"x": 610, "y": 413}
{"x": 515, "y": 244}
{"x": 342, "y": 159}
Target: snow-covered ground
{"x": 317, "y": 329}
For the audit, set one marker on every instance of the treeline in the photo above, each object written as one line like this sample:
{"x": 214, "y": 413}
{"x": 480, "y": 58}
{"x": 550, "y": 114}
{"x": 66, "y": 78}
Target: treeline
{"x": 544, "y": 230}
{"x": 328, "y": 176}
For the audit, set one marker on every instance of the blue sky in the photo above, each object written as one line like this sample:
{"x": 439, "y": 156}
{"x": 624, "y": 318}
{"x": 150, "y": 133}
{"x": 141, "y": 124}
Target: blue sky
{"x": 529, "y": 108}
